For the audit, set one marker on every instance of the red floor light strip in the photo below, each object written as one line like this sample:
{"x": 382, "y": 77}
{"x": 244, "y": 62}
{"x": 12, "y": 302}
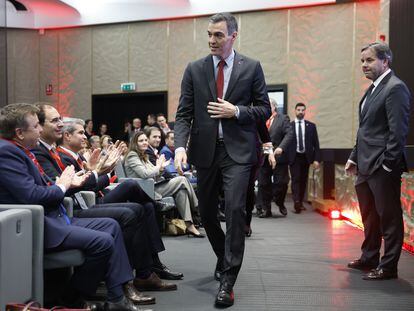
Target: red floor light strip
{"x": 335, "y": 214}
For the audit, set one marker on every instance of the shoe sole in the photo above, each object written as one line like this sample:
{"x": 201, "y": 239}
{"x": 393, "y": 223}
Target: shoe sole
{"x": 361, "y": 268}
{"x": 169, "y": 277}
{"x": 380, "y": 279}
{"x": 223, "y": 304}
{"x": 152, "y": 289}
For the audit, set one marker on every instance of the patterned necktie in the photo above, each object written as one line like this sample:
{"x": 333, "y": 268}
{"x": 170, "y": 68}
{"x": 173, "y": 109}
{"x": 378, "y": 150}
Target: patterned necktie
{"x": 367, "y": 98}
{"x": 220, "y": 79}
{"x": 55, "y": 156}
{"x": 301, "y": 148}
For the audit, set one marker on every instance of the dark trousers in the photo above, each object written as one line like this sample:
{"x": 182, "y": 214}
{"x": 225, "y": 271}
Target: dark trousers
{"x": 130, "y": 191}
{"x": 251, "y": 198}
{"x": 133, "y": 220}
{"x": 299, "y": 172}
{"x": 234, "y": 177}
{"x": 380, "y": 205}
{"x": 269, "y": 190}
{"x": 101, "y": 241}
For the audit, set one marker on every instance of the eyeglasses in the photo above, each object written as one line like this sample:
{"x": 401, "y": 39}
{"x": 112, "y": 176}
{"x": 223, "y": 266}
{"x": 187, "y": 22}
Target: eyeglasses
{"x": 55, "y": 120}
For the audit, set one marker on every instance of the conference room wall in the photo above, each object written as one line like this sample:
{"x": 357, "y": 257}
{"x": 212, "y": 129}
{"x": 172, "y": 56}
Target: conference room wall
{"x": 314, "y": 50}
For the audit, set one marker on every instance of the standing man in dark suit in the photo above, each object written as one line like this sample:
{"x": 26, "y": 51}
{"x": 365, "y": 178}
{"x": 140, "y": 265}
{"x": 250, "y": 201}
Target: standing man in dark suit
{"x": 304, "y": 152}
{"x": 222, "y": 96}
{"x": 281, "y": 136}
{"x": 23, "y": 182}
{"x": 378, "y": 159}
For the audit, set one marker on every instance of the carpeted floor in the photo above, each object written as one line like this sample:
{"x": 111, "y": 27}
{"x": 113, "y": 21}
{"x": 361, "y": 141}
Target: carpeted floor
{"x": 293, "y": 263}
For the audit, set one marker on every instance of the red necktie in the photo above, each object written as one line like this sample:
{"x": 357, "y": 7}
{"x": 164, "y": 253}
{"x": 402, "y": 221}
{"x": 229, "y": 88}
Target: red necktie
{"x": 270, "y": 121}
{"x": 57, "y": 159}
{"x": 78, "y": 160}
{"x": 220, "y": 79}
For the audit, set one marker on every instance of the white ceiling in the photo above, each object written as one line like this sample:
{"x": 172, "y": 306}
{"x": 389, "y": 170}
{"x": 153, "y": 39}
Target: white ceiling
{"x": 72, "y": 13}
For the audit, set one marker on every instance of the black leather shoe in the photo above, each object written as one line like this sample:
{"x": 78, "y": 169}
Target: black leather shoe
{"x": 266, "y": 214}
{"x": 380, "y": 274}
{"x": 297, "y": 207}
{"x": 225, "y": 295}
{"x": 165, "y": 273}
{"x": 124, "y": 305}
{"x": 283, "y": 210}
{"x": 358, "y": 264}
{"x": 248, "y": 231}
{"x": 135, "y": 296}
{"x": 219, "y": 270}
{"x": 259, "y": 211}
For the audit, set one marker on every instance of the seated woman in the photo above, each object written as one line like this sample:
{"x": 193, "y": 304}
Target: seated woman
{"x": 137, "y": 165}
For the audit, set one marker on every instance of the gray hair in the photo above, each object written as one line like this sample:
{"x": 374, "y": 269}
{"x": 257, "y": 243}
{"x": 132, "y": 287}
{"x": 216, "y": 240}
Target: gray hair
{"x": 273, "y": 102}
{"x": 69, "y": 124}
{"x": 225, "y": 17}
{"x": 381, "y": 49}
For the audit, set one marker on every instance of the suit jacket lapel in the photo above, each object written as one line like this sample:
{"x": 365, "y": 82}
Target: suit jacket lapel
{"x": 374, "y": 95}
{"x": 235, "y": 73}
{"x": 209, "y": 71}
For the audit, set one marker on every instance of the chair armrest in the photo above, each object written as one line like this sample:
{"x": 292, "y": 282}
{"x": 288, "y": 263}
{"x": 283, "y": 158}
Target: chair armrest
{"x": 146, "y": 184}
{"x": 89, "y": 197}
{"x": 68, "y": 203}
{"x": 38, "y": 231}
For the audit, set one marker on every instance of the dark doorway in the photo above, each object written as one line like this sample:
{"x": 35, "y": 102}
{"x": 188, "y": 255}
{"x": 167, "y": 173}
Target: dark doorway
{"x": 117, "y": 109}
{"x": 402, "y": 46}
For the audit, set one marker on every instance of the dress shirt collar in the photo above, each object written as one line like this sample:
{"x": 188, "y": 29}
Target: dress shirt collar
{"x": 297, "y": 120}
{"x": 379, "y": 79}
{"x": 229, "y": 60}
{"x": 155, "y": 150}
{"x": 73, "y": 154}
{"x": 49, "y": 147}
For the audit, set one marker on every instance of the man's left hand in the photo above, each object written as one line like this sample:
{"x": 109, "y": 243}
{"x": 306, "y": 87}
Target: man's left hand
{"x": 221, "y": 109}
{"x": 315, "y": 165}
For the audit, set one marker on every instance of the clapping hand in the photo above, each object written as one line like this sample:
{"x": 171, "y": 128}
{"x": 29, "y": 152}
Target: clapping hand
{"x": 79, "y": 179}
{"x": 66, "y": 177}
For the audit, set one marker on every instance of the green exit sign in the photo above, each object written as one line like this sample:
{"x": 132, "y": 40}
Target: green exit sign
{"x": 128, "y": 87}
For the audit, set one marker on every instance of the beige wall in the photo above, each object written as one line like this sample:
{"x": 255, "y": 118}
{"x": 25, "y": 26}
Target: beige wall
{"x": 314, "y": 50}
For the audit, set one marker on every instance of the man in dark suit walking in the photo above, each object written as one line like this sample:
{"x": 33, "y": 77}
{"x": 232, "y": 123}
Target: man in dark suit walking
{"x": 222, "y": 96}
{"x": 304, "y": 152}
{"x": 281, "y": 136}
{"x": 378, "y": 159}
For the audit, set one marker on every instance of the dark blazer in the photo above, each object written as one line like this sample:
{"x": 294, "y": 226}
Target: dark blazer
{"x": 151, "y": 155}
{"x": 91, "y": 183}
{"x": 383, "y": 128}
{"x": 246, "y": 89}
{"x": 46, "y": 161}
{"x": 21, "y": 183}
{"x": 281, "y": 135}
{"x": 312, "y": 150}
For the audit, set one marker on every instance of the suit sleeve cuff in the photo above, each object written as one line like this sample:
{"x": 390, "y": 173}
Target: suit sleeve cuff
{"x": 386, "y": 168}
{"x": 62, "y": 187}
{"x": 179, "y": 149}
{"x": 237, "y": 113}
{"x": 350, "y": 161}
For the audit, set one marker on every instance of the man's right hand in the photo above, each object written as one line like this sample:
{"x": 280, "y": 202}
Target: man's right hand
{"x": 350, "y": 168}
{"x": 180, "y": 160}
{"x": 66, "y": 177}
